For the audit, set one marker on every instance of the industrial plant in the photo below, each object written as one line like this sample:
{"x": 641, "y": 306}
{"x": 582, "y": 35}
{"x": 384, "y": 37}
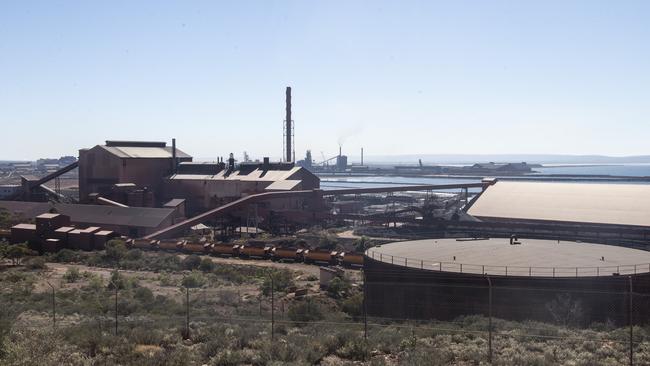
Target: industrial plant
{"x": 156, "y": 197}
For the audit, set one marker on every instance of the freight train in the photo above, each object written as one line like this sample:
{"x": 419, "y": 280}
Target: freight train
{"x": 263, "y": 251}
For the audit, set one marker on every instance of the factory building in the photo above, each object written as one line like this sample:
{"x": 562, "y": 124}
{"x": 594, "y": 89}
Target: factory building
{"x": 207, "y": 186}
{"x": 151, "y": 174}
{"x": 622, "y": 206}
{"x": 140, "y": 165}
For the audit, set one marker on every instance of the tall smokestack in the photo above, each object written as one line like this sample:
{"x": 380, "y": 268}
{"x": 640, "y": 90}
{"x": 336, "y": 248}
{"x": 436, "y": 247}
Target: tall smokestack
{"x": 362, "y": 156}
{"x": 289, "y": 126}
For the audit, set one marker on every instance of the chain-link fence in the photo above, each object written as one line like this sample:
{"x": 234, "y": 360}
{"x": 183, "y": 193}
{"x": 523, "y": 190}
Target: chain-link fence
{"x": 393, "y": 316}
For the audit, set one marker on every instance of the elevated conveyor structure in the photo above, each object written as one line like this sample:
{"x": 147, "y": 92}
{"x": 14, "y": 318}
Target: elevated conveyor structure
{"x": 29, "y": 185}
{"x": 316, "y": 194}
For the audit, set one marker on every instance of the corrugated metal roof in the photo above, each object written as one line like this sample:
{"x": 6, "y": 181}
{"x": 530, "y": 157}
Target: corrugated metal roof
{"x": 174, "y": 202}
{"x": 617, "y": 204}
{"x": 94, "y": 214}
{"x": 257, "y": 175}
{"x": 134, "y": 152}
{"x": 283, "y": 185}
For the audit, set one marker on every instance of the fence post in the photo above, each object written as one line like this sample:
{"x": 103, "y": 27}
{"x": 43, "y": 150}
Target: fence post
{"x": 272, "y": 307}
{"x": 115, "y": 285}
{"x": 365, "y": 307}
{"x": 53, "y": 306}
{"x": 187, "y": 313}
{"x": 489, "y": 319}
{"x": 631, "y": 323}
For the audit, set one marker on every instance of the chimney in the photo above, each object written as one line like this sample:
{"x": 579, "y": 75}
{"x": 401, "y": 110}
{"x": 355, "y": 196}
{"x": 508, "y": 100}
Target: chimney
{"x": 174, "y": 161}
{"x": 340, "y": 147}
{"x": 362, "y": 156}
{"x": 231, "y": 162}
{"x": 289, "y": 127}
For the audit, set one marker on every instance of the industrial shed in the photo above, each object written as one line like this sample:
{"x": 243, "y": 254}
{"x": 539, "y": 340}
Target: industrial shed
{"x": 205, "y": 191}
{"x": 130, "y": 221}
{"x": 582, "y": 203}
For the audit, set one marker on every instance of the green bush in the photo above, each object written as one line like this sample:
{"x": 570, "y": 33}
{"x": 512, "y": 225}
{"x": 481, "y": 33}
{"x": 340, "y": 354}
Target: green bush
{"x": 192, "y": 262}
{"x": 121, "y": 282}
{"x": 15, "y": 252}
{"x": 134, "y": 255}
{"x": 356, "y": 349}
{"x": 65, "y": 256}
{"x": 307, "y": 310}
{"x": 35, "y": 263}
{"x": 116, "y": 250}
{"x": 353, "y": 306}
{"x": 360, "y": 245}
{"x": 327, "y": 241}
{"x": 166, "y": 279}
{"x": 193, "y": 280}
{"x": 72, "y": 275}
{"x": 339, "y": 287}
{"x": 207, "y": 265}
{"x": 282, "y": 279}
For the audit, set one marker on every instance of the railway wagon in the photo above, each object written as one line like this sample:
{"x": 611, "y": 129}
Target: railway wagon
{"x": 321, "y": 256}
{"x": 196, "y": 248}
{"x": 286, "y": 254}
{"x": 351, "y": 259}
{"x": 168, "y": 245}
{"x": 140, "y": 244}
{"x": 225, "y": 250}
{"x": 254, "y": 251}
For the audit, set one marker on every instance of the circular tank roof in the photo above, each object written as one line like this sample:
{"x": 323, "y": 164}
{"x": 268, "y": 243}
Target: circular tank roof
{"x": 530, "y": 257}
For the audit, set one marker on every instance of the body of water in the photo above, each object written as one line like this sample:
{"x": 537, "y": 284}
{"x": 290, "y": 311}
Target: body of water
{"x": 631, "y": 170}
{"x": 628, "y": 170}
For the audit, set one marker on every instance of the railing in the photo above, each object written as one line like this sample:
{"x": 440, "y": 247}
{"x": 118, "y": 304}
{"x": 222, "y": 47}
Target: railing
{"x": 531, "y": 271}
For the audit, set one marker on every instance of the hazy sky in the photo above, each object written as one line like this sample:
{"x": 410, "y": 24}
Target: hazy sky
{"x": 397, "y": 77}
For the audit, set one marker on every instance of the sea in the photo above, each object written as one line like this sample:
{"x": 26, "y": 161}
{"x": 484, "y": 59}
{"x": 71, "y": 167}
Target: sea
{"x": 584, "y": 174}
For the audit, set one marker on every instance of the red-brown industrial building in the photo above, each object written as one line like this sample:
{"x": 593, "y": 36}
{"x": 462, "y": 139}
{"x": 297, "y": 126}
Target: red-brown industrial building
{"x": 144, "y": 164}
